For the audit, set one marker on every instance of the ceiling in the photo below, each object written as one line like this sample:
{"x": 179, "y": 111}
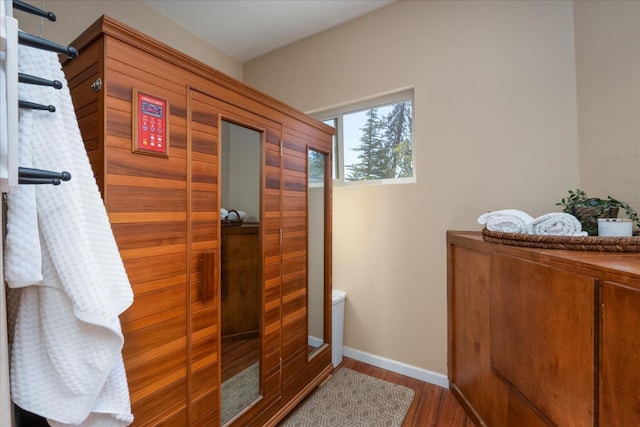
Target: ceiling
{"x": 246, "y": 29}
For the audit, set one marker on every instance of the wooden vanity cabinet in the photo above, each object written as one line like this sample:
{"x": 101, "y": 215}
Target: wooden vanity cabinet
{"x": 240, "y": 281}
{"x": 542, "y": 337}
{"x": 619, "y": 375}
{"x": 164, "y": 212}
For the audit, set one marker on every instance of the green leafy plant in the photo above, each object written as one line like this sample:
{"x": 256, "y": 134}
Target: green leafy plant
{"x": 589, "y": 209}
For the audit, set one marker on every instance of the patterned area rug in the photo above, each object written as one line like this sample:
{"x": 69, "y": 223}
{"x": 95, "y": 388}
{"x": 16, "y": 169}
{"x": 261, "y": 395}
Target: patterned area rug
{"x": 239, "y": 391}
{"x": 353, "y": 399}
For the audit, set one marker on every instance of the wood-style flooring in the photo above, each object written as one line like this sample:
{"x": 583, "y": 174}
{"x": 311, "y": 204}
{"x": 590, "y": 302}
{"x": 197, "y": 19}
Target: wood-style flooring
{"x": 238, "y": 355}
{"x": 432, "y": 405}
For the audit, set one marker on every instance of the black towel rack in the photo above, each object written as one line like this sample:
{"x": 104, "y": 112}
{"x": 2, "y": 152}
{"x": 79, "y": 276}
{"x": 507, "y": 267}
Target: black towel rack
{"x": 25, "y": 7}
{"x": 34, "y": 80}
{"x": 34, "y": 106}
{"x": 30, "y": 175}
{"x": 27, "y": 39}
{"x": 39, "y": 176}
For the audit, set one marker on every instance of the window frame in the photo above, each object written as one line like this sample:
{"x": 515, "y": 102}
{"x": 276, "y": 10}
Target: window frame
{"x": 338, "y": 112}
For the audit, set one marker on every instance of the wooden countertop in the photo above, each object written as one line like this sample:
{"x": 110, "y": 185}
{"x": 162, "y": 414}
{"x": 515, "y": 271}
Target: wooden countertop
{"x": 621, "y": 267}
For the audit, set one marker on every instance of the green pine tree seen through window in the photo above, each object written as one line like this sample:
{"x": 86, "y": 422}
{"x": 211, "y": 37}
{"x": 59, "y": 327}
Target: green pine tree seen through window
{"x": 316, "y": 167}
{"x": 384, "y": 149}
{"x": 373, "y": 139}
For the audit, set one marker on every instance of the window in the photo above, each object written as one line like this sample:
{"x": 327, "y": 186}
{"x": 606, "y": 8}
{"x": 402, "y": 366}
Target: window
{"x": 374, "y": 139}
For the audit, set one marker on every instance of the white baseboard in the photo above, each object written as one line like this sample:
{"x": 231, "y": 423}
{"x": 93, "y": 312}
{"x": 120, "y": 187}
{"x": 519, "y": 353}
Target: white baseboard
{"x": 397, "y": 367}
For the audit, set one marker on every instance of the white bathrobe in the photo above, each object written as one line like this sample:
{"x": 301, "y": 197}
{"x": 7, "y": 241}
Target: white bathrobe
{"x": 67, "y": 281}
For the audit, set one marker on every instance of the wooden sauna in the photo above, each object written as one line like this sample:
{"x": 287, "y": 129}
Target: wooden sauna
{"x": 164, "y": 203}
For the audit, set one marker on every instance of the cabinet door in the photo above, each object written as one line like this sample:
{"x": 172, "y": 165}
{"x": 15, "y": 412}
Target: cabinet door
{"x": 469, "y": 336}
{"x": 542, "y": 337}
{"x": 620, "y": 356}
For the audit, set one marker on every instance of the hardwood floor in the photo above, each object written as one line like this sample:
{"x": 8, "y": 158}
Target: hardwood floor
{"x": 238, "y": 355}
{"x": 432, "y": 405}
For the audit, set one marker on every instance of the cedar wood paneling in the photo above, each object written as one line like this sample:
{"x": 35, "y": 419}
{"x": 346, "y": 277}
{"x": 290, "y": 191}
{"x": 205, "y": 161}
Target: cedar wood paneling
{"x": 165, "y": 217}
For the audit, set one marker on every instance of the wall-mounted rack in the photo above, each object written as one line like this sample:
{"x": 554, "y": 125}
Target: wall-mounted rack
{"x": 10, "y": 38}
{"x": 8, "y": 97}
{"x": 11, "y": 174}
{"x": 39, "y": 176}
{"x": 26, "y": 7}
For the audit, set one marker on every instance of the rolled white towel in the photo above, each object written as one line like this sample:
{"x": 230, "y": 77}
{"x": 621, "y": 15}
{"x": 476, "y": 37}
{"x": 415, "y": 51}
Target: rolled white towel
{"x": 556, "y": 224}
{"x": 506, "y": 221}
{"x": 237, "y": 215}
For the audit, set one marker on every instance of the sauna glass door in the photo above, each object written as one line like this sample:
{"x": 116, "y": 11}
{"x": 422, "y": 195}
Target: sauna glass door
{"x": 316, "y": 222}
{"x": 240, "y": 291}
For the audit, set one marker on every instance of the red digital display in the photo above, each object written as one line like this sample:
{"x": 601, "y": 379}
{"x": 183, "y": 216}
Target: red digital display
{"x": 150, "y": 125}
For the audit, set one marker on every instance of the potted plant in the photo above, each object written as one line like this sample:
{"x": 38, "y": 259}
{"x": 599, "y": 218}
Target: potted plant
{"x": 589, "y": 209}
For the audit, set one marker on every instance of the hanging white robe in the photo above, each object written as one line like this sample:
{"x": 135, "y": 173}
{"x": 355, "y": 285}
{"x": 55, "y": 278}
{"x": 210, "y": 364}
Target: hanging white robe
{"x": 67, "y": 281}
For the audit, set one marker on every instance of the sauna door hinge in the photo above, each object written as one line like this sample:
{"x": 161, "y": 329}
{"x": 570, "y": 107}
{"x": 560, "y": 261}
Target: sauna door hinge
{"x": 281, "y": 149}
{"x": 280, "y": 236}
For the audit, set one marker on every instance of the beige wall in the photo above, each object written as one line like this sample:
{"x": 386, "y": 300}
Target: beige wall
{"x": 74, "y": 16}
{"x": 495, "y": 127}
{"x": 608, "y": 76}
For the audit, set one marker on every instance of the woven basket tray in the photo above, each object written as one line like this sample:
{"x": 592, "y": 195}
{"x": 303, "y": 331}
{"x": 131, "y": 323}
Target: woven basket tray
{"x": 588, "y": 243}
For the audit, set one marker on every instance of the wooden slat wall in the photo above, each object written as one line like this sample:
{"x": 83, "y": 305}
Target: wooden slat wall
{"x": 88, "y": 104}
{"x": 205, "y": 234}
{"x": 294, "y": 260}
{"x": 147, "y": 199}
{"x": 297, "y": 368}
{"x": 163, "y": 213}
{"x": 165, "y": 216}
{"x": 270, "y": 222}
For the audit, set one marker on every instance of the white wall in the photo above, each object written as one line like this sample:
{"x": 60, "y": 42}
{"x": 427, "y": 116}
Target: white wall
{"x": 495, "y": 127}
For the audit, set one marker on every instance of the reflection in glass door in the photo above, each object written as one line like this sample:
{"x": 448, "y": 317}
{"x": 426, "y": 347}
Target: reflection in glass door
{"x": 240, "y": 295}
{"x": 317, "y": 166}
